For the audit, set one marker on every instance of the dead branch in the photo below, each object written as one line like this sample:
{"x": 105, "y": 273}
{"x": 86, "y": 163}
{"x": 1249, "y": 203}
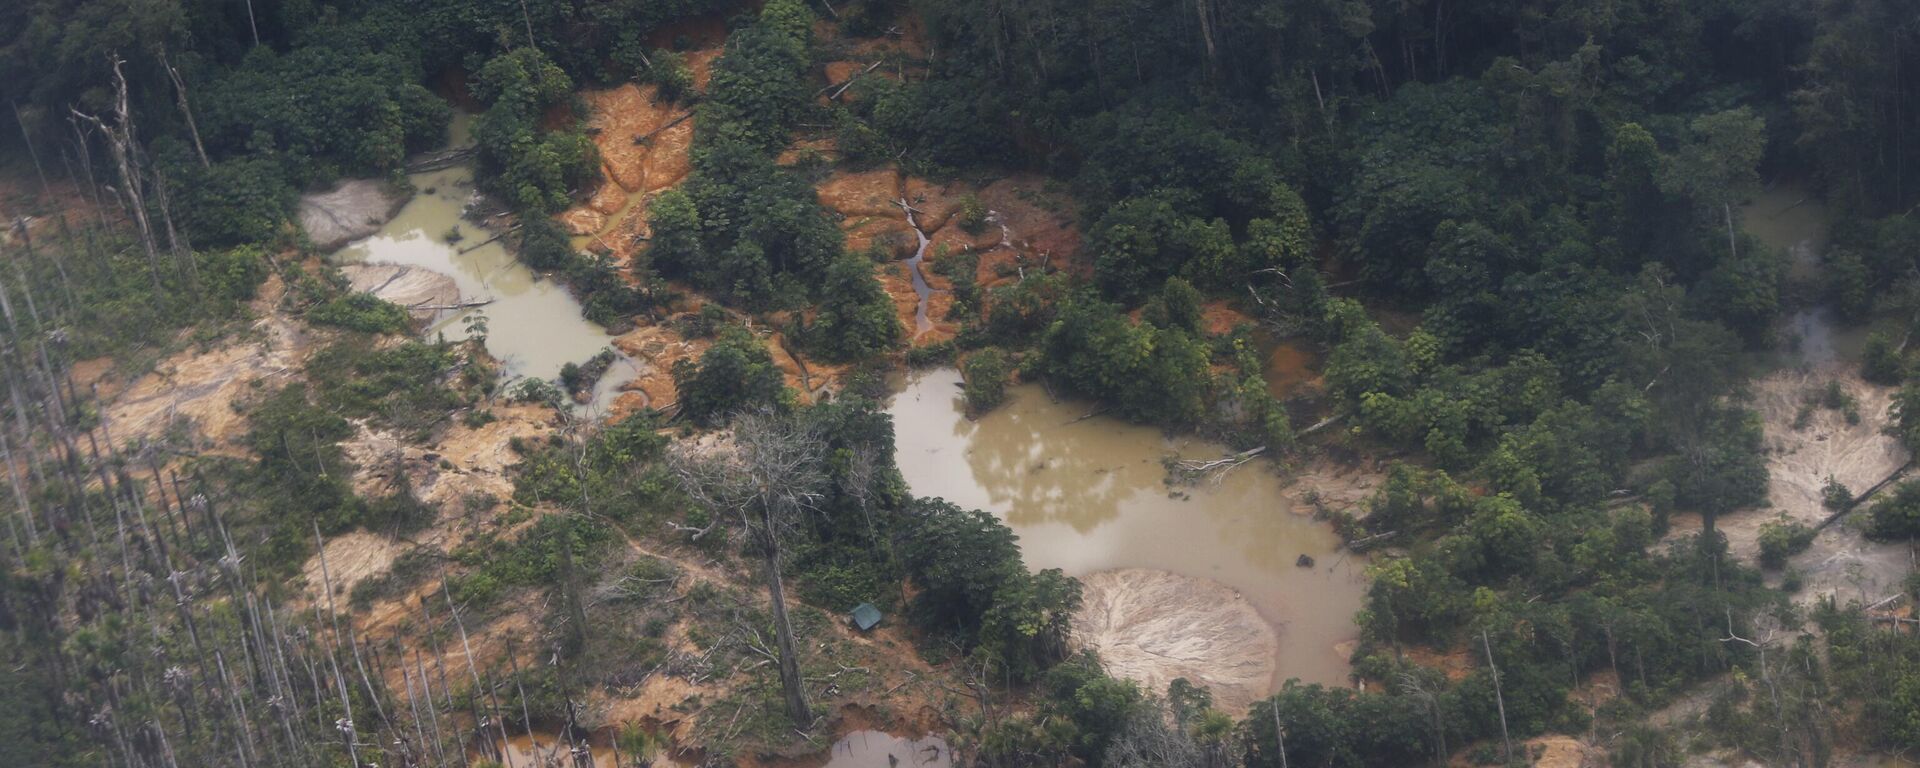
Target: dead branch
{"x": 490, "y": 240}
{"x": 645, "y": 137}
{"x": 1225, "y": 462}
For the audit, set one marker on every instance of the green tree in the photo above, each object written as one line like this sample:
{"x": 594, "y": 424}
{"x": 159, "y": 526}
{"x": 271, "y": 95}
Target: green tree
{"x": 856, "y": 319}
{"x": 1177, "y": 307}
{"x": 534, "y": 169}
{"x": 959, "y": 559}
{"x": 1142, "y": 241}
{"x": 985, "y": 373}
{"x": 737, "y": 373}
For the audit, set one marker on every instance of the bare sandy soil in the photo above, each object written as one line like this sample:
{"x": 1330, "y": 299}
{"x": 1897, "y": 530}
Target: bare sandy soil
{"x": 1801, "y": 457}
{"x": 1154, "y": 626}
{"x": 199, "y": 389}
{"x": 350, "y": 558}
{"x": 423, "y": 292}
{"x": 1322, "y": 484}
{"x": 353, "y": 209}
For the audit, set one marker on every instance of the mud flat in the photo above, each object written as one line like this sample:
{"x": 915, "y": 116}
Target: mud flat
{"x": 1088, "y": 495}
{"x": 351, "y": 210}
{"x": 1156, "y": 626}
{"x": 424, "y": 293}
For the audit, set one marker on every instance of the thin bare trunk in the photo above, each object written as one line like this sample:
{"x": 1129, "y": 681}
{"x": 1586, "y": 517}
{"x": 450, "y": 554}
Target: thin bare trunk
{"x": 27, "y": 137}
{"x": 1499, "y": 700}
{"x": 783, "y": 632}
{"x": 180, "y": 95}
{"x": 121, "y": 140}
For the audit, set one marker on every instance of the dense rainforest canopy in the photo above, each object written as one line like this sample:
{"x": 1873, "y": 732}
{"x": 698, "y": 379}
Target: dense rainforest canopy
{"x": 1511, "y": 231}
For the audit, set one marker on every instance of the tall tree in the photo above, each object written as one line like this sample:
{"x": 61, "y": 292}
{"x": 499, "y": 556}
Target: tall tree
{"x": 770, "y": 479}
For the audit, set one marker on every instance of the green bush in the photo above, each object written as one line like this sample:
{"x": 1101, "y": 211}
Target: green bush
{"x": 972, "y": 214}
{"x": 233, "y": 202}
{"x": 231, "y": 277}
{"x": 535, "y": 170}
{"x": 1897, "y": 514}
{"x": 1881, "y": 362}
{"x": 402, "y": 385}
{"x": 1780, "y": 540}
{"x": 986, "y": 373}
{"x": 362, "y": 312}
{"x": 671, "y": 73}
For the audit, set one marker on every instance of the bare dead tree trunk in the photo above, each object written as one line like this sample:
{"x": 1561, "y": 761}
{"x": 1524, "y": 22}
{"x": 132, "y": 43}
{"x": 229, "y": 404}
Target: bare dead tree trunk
{"x": 86, "y": 165}
{"x": 120, "y": 139}
{"x": 240, "y": 719}
{"x": 525, "y": 17}
{"x": 176, "y": 244}
{"x": 1205, "y": 16}
{"x": 526, "y": 717}
{"x": 468, "y": 649}
{"x": 19, "y": 491}
{"x": 413, "y": 707}
{"x": 796, "y": 694}
{"x": 1279, "y": 733}
{"x": 27, "y": 137}
{"x": 353, "y": 647}
{"x": 180, "y": 95}
{"x": 773, "y": 478}
{"x": 426, "y": 687}
{"x": 1498, "y": 699}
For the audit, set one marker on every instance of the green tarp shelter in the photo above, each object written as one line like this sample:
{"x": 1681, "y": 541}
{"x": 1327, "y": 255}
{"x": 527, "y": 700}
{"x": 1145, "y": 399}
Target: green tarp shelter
{"x": 865, "y": 616}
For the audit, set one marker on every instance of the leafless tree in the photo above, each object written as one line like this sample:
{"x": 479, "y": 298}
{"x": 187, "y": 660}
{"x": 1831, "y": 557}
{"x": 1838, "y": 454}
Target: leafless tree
{"x": 123, "y": 142}
{"x": 186, "y": 109}
{"x": 1150, "y": 740}
{"x": 770, "y": 479}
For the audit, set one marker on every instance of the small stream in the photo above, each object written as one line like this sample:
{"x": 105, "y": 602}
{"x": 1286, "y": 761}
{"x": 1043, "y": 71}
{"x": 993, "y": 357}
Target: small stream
{"x": 1088, "y": 494}
{"x": 920, "y": 322}
{"x": 533, "y": 325}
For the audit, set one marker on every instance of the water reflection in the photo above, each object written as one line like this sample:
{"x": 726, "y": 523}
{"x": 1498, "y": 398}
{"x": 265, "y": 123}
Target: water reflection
{"x": 1088, "y": 495}
{"x": 879, "y": 749}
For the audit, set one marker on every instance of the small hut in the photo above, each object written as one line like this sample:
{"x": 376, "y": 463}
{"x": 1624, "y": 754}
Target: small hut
{"x": 865, "y": 616}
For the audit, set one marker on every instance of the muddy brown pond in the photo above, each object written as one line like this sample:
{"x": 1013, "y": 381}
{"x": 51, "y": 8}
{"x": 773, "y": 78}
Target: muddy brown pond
{"x": 533, "y": 324}
{"x": 1088, "y": 495}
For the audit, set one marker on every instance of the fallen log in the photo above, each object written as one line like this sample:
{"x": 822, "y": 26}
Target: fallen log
{"x": 841, "y": 87}
{"x": 645, "y": 137}
{"x": 455, "y": 305}
{"x": 441, "y": 160}
{"x": 1223, "y": 463}
{"x": 1357, "y": 544}
{"x": 1322, "y": 424}
{"x": 1087, "y": 415}
{"x": 1862, "y": 498}
{"x": 490, "y": 240}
